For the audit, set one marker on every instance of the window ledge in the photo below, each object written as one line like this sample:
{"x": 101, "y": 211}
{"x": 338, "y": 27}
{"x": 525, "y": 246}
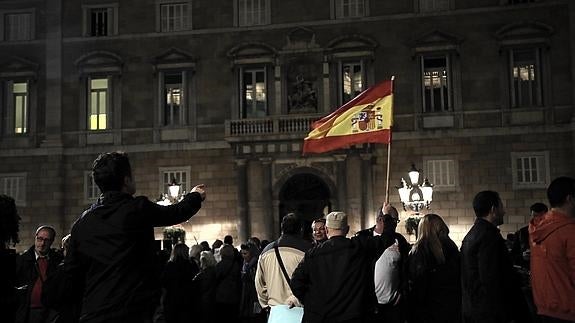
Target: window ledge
{"x": 438, "y": 121}
{"x": 94, "y": 138}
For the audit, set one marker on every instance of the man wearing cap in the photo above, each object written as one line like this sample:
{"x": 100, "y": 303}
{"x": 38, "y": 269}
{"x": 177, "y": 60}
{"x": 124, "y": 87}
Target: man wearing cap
{"x": 33, "y": 267}
{"x": 342, "y": 288}
{"x": 390, "y": 269}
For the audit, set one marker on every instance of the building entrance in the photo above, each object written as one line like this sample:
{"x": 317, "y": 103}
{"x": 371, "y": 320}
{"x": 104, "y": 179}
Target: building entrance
{"x": 306, "y": 195}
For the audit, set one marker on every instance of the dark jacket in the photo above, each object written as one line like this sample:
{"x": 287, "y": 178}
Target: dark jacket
{"x": 520, "y": 245}
{"x": 7, "y": 283}
{"x": 249, "y": 305}
{"x": 60, "y": 294}
{"x": 435, "y": 289}
{"x": 334, "y": 281}
{"x": 206, "y": 281}
{"x": 228, "y": 277}
{"x": 112, "y": 253}
{"x": 181, "y": 296}
{"x": 490, "y": 287}
{"x": 26, "y": 275}
{"x": 404, "y": 248}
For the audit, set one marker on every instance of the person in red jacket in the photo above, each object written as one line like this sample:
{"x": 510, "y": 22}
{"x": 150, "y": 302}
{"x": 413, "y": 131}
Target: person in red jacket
{"x": 553, "y": 254}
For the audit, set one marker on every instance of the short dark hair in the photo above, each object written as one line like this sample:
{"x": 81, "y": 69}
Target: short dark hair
{"x": 9, "y": 221}
{"x": 484, "y": 201}
{"x": 559, "y": 189}
{"x": 290, "y": 224}
{"x": 110, "y": 169}
{"x": 228, "y": 239}
{"x": 538, "y": 207}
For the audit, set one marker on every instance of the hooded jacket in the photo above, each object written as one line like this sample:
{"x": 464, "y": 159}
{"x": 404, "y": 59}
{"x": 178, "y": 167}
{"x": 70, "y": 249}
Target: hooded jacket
{"x": 552, "y": 239}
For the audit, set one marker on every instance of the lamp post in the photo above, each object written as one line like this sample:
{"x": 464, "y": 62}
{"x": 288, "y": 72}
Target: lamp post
{"x": 174, "y": 195}
{"x": 414, "y": 196}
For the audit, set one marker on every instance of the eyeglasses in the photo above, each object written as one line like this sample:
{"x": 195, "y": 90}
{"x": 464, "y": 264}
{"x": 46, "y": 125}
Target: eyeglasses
{"x": 41, "y": 239}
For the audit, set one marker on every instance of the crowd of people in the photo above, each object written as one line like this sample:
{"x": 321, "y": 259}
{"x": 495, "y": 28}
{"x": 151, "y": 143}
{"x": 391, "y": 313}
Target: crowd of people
{"x": 107, "y": 269}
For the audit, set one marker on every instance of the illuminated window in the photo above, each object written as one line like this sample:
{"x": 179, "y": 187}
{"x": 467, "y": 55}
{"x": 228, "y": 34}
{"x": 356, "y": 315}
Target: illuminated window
{"x": 175, "y": 17}
{"x": 98, "y": 103}
{"x": 352, "y": 82}
{"x": 526, "y": 75}
{"x": 14, "y": 185}
{"x": 180, "y": 174}
{"x": 436, "y": 86}
{"x": 20, "y": 106}
{"x": 530, "y": 169}
{"x": 349, "y": 8}
{"x": 253, "y": 12}
{"x": 173, "y": 93}
{"x": 253, "y": 93}
{"x": 18, "y": 26}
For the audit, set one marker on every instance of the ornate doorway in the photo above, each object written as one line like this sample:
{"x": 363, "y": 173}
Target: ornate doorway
{"x": 306, "y": 195}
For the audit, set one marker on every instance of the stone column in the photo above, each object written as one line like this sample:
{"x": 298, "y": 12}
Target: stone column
{"x": 341, "y": 184}
{"x": 267, "y": 206}
{"x": 53, "y": 74}
{"x": 366, "y": 189}
{"x": 326, "y": 88}
{"x": 242, "y": 207}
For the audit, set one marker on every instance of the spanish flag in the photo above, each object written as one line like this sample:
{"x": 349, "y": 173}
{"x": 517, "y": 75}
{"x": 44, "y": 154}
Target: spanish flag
{"x": 367, "y": 118}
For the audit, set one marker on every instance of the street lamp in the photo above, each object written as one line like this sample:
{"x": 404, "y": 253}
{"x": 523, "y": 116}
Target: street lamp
{"x": 414, "y": 196}
{"x": 174, "y": 195}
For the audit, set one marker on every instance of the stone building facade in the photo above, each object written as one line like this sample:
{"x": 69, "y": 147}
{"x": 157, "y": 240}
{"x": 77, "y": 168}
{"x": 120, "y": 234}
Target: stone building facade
{"x": 223, "y": 93}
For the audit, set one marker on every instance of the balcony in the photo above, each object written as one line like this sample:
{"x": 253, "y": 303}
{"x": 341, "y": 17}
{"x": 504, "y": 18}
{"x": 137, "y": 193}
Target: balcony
{"x": 271, "y": 128}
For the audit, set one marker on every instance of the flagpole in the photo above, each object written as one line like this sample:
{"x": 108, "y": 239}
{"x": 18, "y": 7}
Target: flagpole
{"x": 389, "y": 152}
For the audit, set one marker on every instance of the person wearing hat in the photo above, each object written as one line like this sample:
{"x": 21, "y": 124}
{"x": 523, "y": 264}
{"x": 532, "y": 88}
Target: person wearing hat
{"x": 342, "y": 288}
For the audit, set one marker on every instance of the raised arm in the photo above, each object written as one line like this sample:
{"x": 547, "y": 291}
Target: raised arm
{"x": 158, "y": 215}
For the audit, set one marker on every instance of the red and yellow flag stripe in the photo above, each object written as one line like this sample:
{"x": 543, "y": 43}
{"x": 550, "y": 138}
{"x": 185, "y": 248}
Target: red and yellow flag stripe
{"x": 365, "y": 119}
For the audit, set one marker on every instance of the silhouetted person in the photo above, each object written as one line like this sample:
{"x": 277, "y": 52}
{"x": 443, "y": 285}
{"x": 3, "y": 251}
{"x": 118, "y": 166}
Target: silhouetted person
{"x": 9, "y": 227}
{"x": 181, "y": 295}
{"x": 112, "y": 245}
{"x": 521, "y": 251}
{"x": 490, "y": 287}
{"x": 434, "y": 274}
{"x": 334, "y": 281}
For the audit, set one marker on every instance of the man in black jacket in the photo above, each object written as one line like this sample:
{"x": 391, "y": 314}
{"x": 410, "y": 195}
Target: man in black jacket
{"x": 490, "y": 288}
{"x": 332, "y": 281}
{"x": 32, "y": 269}
{"x": 390, "y": 269}
{"x": 112, "y": 245}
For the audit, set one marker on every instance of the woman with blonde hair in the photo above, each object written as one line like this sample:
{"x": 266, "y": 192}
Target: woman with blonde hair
{"x": 434, "y": 274}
